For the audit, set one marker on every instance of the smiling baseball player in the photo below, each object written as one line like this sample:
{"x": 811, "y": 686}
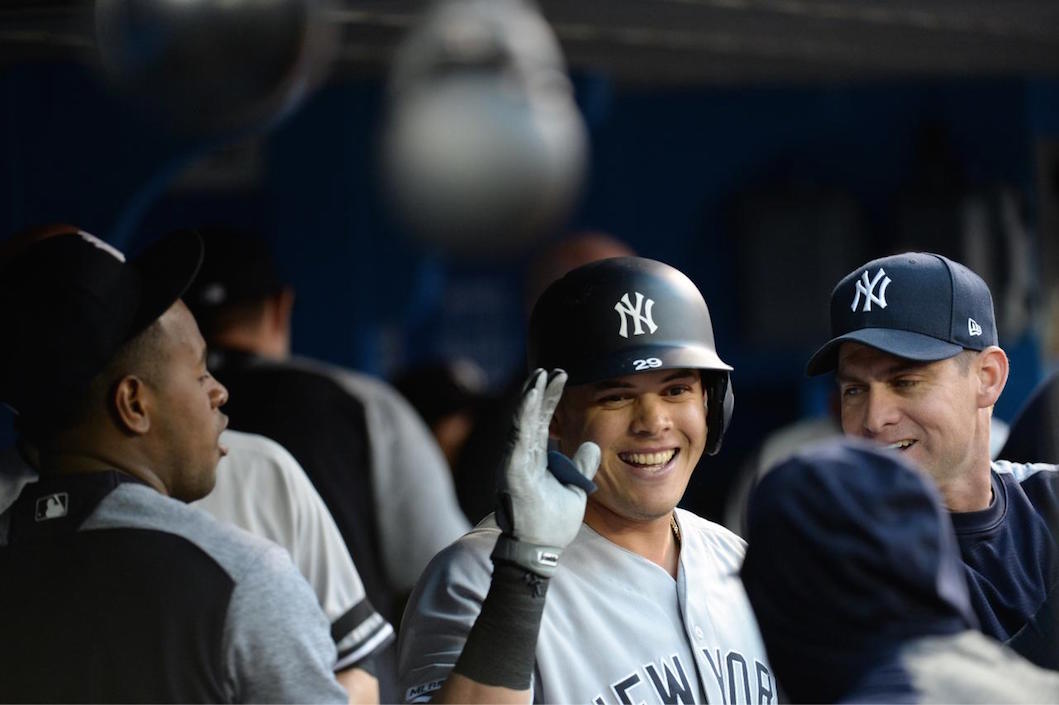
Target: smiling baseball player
{"x": 614, "y": 596}
{"x": 918, "y": 366}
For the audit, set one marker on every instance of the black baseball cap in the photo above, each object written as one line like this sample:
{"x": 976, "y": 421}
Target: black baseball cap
{"x": 237, "y": 267}
{"x": 70, "y": 301}
{"x": 917, "y": 305}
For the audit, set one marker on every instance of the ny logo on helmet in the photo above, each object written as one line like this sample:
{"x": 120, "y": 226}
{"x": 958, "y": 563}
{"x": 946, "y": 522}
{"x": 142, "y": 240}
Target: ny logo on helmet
{"x": 868, "y": 289}
{"x": 640, "y": 315}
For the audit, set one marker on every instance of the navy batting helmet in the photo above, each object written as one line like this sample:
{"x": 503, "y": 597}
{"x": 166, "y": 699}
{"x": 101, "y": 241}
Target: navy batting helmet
{"x": 625, "y": 315}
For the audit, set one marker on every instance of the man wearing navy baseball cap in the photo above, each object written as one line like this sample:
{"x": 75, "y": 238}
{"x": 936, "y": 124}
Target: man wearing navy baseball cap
{"x": 112, "y": 589}
{"x": 916, "y": 358}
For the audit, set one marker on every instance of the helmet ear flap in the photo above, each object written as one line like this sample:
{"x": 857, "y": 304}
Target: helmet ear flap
{"x": 720, "y": 403}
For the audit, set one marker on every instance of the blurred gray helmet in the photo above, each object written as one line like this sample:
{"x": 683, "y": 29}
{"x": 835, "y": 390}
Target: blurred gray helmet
{"x": 484, "y": 147}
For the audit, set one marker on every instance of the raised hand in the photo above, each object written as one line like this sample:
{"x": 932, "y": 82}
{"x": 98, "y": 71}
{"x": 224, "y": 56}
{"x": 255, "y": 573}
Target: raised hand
{"x": 540, "y": 512}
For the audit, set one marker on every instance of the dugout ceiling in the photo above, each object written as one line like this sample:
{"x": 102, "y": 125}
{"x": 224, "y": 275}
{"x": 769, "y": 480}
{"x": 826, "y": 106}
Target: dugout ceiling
{"x": 673, "y": 42}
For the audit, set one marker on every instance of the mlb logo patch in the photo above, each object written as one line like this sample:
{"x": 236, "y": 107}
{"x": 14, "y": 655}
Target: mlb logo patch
{"x": 52, "y": 506}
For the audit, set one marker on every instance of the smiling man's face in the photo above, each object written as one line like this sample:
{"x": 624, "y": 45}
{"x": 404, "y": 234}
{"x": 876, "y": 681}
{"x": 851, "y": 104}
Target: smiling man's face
{"x": 651, "y": 429}
{"x": 927, "y": 410}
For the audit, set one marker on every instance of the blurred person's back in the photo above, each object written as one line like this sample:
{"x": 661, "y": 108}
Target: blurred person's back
{"x": 447, "y": 395}
{"x": 366, "y": 451}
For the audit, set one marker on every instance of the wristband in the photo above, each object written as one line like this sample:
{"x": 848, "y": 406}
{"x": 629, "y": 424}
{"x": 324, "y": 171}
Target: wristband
{"x": 542, "y": 560}
{"x": 501, "y": 648}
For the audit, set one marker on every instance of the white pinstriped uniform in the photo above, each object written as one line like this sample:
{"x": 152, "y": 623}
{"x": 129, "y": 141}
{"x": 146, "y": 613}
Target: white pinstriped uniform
{"x": 616, "y": 627}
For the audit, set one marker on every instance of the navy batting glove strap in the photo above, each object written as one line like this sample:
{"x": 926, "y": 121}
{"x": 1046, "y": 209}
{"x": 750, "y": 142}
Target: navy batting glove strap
{"x": 567, "y": 473}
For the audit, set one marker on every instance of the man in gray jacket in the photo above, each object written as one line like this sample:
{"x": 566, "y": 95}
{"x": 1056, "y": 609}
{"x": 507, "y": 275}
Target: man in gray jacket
{"x": 109, "y": 578}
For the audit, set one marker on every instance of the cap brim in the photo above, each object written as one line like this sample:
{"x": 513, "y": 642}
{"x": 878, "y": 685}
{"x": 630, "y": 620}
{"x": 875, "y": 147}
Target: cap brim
{"x": 166, "y": 270}
{"x": 901, "y": 343}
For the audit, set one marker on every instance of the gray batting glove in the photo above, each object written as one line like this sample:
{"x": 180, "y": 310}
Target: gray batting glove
{"x": 539, "y": 514}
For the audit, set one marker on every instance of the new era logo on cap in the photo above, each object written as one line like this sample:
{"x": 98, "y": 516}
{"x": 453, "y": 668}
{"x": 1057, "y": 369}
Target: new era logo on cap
{"x": 917, "y": 306}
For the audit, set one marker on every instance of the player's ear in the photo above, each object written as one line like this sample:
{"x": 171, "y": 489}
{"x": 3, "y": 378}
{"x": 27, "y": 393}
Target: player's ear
{"x": 131, "y": 405}
{"x": 991, "y": 369}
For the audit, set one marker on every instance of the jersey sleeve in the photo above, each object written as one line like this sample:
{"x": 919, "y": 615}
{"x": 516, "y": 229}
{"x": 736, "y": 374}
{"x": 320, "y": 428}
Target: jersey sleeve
{"x": 278, "y": 646}
{"x": 440, "y": 613}
{"x": 419, "y": 513}
{"x": 15, "y": 473}
{"x": 321, "y": 555}
{"x": 263, "y": 489}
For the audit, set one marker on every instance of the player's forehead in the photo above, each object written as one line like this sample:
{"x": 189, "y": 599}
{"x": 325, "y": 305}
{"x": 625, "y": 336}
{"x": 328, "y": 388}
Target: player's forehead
{"x": 857, "y": 361}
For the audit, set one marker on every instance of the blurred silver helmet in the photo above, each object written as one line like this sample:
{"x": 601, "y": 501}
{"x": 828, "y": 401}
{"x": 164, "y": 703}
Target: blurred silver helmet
{"x": 484, "y": 147}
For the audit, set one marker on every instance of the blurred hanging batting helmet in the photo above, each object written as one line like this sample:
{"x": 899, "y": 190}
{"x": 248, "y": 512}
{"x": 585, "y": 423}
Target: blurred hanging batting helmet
{"x": 625, "y": 315}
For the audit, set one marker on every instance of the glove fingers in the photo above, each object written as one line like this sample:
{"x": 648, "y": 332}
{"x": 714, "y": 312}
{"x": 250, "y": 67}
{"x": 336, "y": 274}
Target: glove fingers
{"x": 531, "y": 381}
{"x": 550, "y": 399}
{"x": 525, "y": 445}
{"x": 552, "y": 393}
{"x": 530, "y": 403}
{"x": 586, "y": 459}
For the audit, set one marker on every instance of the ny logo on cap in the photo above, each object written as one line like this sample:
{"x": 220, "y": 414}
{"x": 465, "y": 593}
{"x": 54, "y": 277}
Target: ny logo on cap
{"x": 868, "y": 289}
{"x": 51, "y": 506}
{"x": 640, "y": 315}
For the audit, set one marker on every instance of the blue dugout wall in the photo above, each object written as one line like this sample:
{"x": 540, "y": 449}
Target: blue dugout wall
{"x": 666, "y": 166}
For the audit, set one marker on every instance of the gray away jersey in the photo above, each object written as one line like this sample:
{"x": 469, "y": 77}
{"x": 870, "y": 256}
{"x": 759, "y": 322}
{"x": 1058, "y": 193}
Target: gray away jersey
{"x": 616, "y": 627}
{"x": 262, "y": 489}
